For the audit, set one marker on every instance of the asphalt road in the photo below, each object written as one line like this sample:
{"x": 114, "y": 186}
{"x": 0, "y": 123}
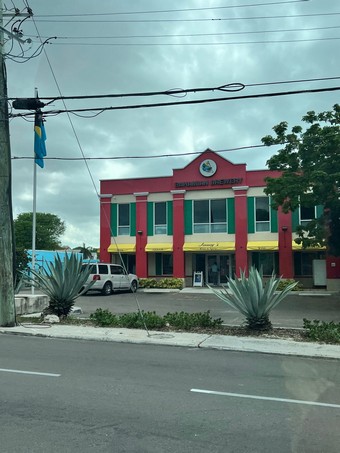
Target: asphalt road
{"x": 110, "y": 397}
{"x": 289, "y": 313}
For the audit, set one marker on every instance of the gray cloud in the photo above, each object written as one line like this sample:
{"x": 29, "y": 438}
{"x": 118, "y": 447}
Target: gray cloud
{"x": 65, "y": 187}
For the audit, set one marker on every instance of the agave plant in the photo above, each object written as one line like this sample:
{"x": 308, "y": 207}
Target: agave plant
{"x": 63, "y": 282}
{"x": 252, "y": 298}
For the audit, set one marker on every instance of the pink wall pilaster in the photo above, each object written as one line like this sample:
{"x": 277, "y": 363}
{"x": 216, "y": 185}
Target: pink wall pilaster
{"x": 178, "y": 233}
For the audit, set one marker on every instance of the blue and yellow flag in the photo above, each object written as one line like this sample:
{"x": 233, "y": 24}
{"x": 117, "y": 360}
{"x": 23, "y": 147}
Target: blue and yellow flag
{"x": 39, "y": 140}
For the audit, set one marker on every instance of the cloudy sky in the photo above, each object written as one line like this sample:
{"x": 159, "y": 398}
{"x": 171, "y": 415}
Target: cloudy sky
{"x": 138, "y": 46}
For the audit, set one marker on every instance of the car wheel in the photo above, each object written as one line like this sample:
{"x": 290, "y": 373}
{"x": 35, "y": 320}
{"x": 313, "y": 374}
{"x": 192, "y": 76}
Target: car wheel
{"x": 107, "y": 289}
{"x": 133, "y": 286}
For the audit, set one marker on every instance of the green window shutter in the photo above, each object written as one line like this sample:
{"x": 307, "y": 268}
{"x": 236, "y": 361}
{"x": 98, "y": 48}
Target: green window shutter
{"x": 295, "y": 218}
{"x": 133, "y": 219}
{"x": 251, "y": 214}
{"x": 231, "y": 215}
{"x": 187, "y": 216}
{"x": 114, "y": 219}
{"x": 150, "y": 218}
{"x": 319, "y": 210}
{"x": 158, "y": 263}
{"x": 169, "y": 208}
{"x": 273, "y": 219}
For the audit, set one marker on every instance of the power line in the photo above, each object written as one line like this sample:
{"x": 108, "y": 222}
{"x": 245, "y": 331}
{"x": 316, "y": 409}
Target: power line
{"x": 173, "y": 10}
{"x": 188, "y": 35}
{"x": 100, "y": 110}
{"x": 232, "y": 87}
{"x": 147, "y": 44}
{"x": 211, "y": 19}
{"x": 239, "y": 148}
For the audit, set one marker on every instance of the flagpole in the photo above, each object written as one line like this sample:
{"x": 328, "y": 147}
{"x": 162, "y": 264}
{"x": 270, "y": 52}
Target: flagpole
{"x": 34, "y": 219}
{"x": 34, "y": 212}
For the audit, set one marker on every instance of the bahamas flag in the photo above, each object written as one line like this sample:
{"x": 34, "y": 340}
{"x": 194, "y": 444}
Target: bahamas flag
{"x": 39, "y": 140}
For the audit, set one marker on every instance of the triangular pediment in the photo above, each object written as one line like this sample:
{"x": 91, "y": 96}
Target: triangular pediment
{"x": 207, "y": 167}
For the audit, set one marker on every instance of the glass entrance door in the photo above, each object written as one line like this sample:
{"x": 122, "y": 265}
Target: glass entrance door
{"x": 224, "y": 268}
{"x": 218, "y": 269}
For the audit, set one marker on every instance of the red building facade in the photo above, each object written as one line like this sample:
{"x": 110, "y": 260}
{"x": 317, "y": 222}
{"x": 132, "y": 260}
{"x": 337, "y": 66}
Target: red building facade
{"x": 211, "y": 214}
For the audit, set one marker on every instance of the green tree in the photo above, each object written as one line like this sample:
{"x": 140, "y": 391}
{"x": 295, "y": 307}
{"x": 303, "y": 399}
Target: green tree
{"x": 309, "y": 163}
{"x": 49, "y": 229}
{"x": 86, "y": 251}
{"x": 21, "y": 264}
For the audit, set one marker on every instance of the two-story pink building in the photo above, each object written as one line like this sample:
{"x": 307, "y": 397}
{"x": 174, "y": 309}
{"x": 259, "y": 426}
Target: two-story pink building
{"x": 210, "y": 215}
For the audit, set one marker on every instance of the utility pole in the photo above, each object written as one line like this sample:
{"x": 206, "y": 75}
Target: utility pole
{"x": 7, "y": 299}
{"x": 7, "y": 246}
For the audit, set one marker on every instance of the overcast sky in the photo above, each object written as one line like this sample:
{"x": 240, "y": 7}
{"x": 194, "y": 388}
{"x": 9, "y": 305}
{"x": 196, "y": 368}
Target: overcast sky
{"x": 100, "y": 50}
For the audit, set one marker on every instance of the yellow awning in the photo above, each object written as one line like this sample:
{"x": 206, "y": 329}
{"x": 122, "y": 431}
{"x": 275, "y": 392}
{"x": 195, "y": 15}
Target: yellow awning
{"x": 161, "y": 247}
{"x": 208, "y": 246}
{"x": 122, "y": 248}
{"x": 263, "y": 245}
{"x": 296, "y": 246}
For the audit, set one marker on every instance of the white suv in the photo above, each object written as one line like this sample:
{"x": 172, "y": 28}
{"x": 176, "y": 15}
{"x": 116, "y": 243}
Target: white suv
{"x": 111, "y": 277}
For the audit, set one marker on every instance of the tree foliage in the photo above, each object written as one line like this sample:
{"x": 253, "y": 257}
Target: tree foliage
{"x": 21, "y": 264}
{"x": 309, "y": 163}
{"x": 86, "y": 251}
{"x": 49, "y": 229}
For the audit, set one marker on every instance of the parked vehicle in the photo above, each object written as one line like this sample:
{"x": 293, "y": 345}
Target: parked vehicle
{"x": 109, "y": 278}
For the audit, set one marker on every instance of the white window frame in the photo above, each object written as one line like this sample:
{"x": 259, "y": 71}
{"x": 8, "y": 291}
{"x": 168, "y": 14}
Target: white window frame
{"x": 259, "y": 224}
{"x": 304, "y": 222}
{"x": 162, "y": 227}
{"x": 123, "y": 230}
{"x": 209, "y": 226}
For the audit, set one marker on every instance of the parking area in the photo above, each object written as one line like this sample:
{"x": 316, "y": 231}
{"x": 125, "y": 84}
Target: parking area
{"x": 290, "y": 313}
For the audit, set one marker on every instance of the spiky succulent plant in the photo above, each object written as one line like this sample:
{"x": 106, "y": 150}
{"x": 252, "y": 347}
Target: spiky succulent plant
{"x": 63, "y": 282}
{"x": 253, "y": 298}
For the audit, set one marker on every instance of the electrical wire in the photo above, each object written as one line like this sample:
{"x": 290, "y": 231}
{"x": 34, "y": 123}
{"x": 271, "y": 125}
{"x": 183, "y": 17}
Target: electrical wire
{"x": 234, "y": 86}
{"x": 211, "y": 19}
{"x": 179, "y": 92}
{"x": 187, "y": 44}
{"x": 167, "y": 104}
{"x": 189, "y": 35}
{"x": 175, "y": 10}
{"x": 151, "y": 156}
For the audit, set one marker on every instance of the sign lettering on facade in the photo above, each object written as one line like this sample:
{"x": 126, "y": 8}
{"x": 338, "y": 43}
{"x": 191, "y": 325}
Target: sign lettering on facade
{"x": 214, "y": 182}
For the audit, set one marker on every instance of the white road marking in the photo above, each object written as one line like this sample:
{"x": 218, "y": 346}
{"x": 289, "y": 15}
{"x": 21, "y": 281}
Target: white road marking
{"x": 29, "y": 372}
{"x": 255, "y": 397}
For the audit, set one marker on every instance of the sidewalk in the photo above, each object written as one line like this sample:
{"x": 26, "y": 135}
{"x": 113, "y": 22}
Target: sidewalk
{"x": 188, "y": 340}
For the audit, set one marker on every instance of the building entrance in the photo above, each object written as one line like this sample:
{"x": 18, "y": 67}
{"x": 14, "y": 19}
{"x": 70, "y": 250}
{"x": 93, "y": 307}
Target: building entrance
{"x": 218, "y": 269}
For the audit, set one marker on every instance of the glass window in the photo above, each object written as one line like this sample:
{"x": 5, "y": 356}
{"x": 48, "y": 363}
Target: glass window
{"x": 303, "y": 262}
{"x": 123, "y": 219}
{"x": 267, "y": 261}
{"x": 160, "y": 218}
{"x": 167, "y": 264}
{"x": 103, "y": 269}
{"x": 116, "y": 270}
{"x": 306, "y": 214}
{"x": 262, "y": 214}
{"x": 210, "y": 216}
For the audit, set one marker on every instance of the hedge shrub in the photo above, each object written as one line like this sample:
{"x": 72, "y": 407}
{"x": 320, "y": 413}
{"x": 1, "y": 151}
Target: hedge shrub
{"x": 170, "y": 283}
{"x": 182, "y": 320}
{"x": 287, "y": 281}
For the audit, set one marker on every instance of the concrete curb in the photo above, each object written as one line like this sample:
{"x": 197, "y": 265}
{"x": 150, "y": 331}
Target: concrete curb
{"x": 182, "y": 339}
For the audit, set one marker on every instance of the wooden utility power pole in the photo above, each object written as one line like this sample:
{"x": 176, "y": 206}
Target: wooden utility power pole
{"x": 7, "y": 299}
{"x": 7, "y": 246}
